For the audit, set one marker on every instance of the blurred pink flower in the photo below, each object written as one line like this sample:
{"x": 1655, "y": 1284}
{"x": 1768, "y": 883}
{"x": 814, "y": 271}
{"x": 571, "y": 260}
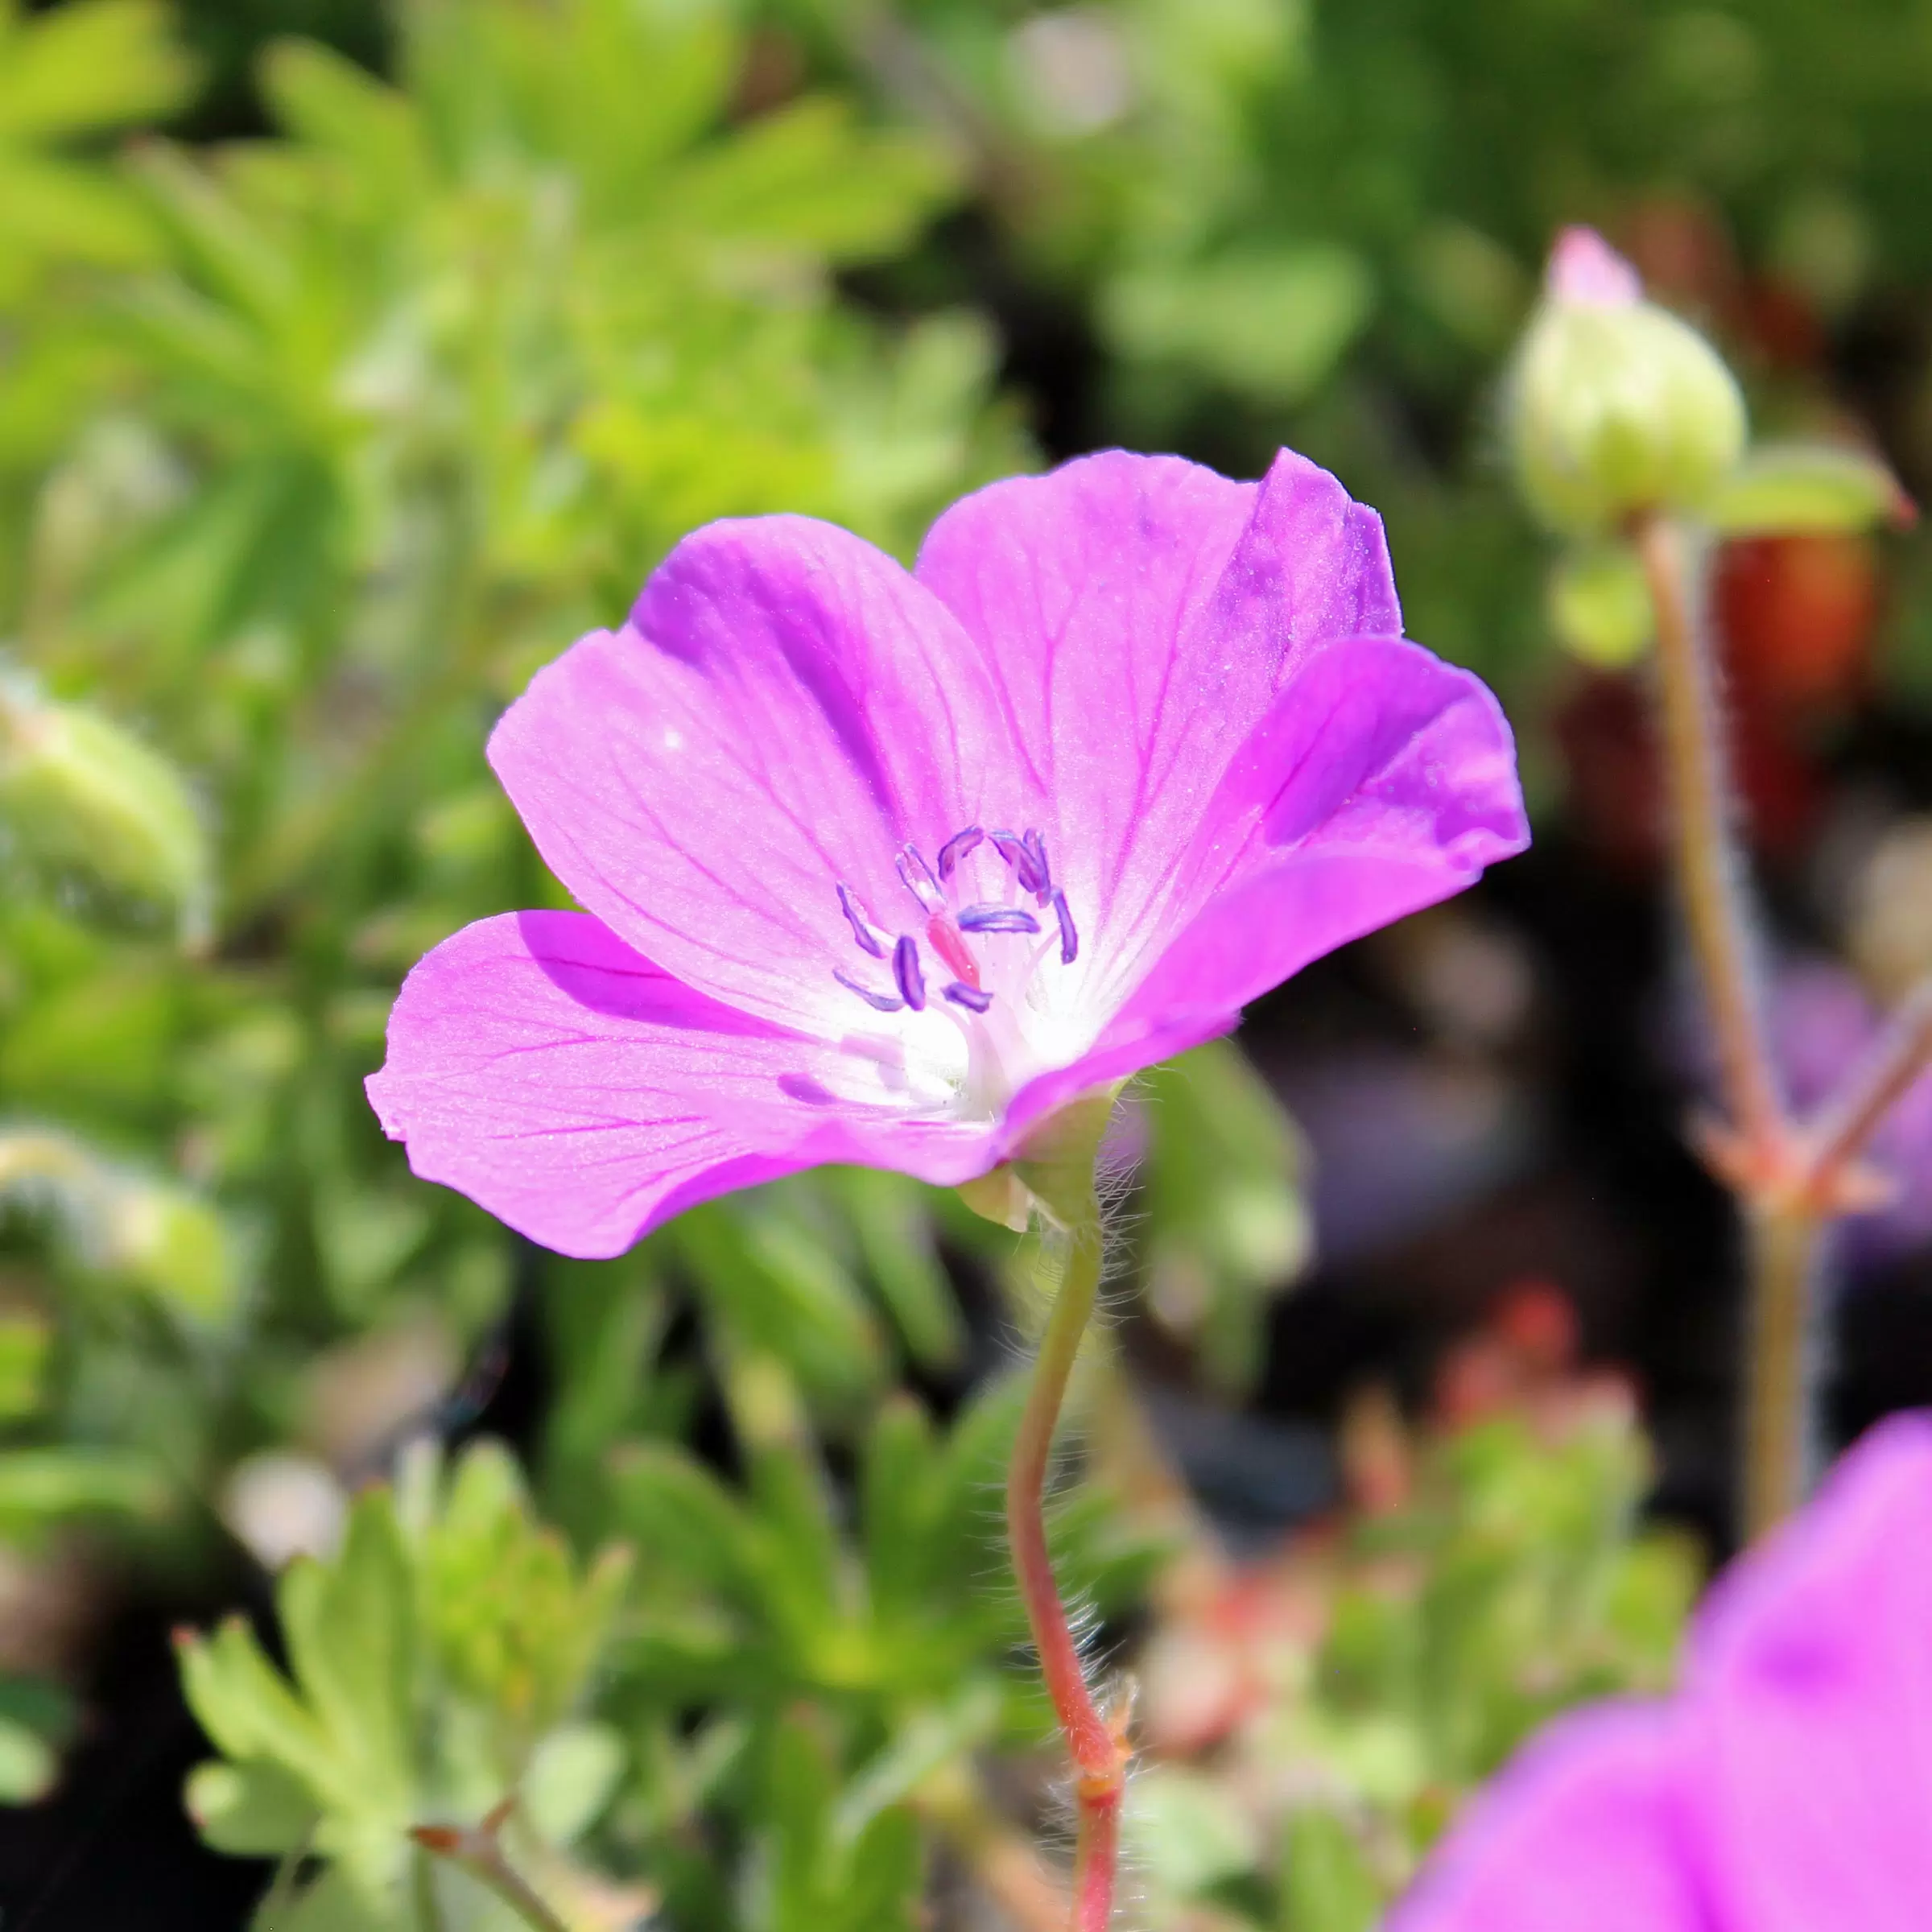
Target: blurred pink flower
{"x": 883, "y": 866}
{"x": 1787, "y": 1788}
{"x": 1823, "y": 1023}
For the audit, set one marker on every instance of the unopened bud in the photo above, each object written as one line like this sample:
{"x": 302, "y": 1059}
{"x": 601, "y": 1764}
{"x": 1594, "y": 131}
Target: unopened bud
{"x": 1615, "y": 406}
{"x": 76, "y": 790}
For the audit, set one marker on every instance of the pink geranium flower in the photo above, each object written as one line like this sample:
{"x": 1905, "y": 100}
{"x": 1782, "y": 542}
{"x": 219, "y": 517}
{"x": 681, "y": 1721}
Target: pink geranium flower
{"x": 882, "y": 866}
{"x": 1788, "y": 1788}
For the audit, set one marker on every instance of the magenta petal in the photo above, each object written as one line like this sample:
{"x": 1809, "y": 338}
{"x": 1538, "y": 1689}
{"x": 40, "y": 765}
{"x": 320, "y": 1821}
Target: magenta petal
{"x": 1812, "y": 1682}
{"x": 1129, "y": 1045}
{"x": 1138, "y": 614}
{"x": 1788, "y": 1787}
{"x": 1382, "y": 780}
{"x": 784, "y": 708}
{"x": 1579, "y": 1835}
{"x": 538, "y": 1065}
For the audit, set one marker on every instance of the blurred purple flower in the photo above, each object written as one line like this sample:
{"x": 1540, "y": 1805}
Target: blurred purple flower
{"x": 1787, "y": 1788}
{"x": 1824, "y": 1024}
{"x": 883, "y": 867}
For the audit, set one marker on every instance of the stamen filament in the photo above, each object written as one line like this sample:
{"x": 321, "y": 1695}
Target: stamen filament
{"x": 879, "y": 1002}
{"x": 916, "y": 875}
{"x": 869, "y": 936}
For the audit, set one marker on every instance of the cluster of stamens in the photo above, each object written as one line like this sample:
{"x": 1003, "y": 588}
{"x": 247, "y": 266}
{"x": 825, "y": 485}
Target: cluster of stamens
{"x": 947, "y": 926}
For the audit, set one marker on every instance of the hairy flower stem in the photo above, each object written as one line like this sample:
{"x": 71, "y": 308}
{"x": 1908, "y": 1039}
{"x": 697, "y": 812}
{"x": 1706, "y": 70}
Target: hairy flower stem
{"x": 1784, "y": 1239}
{"x": 1710, "y": 876}
{"x": 1758, "y": 1156}
{"x": 1058, "y": 1167}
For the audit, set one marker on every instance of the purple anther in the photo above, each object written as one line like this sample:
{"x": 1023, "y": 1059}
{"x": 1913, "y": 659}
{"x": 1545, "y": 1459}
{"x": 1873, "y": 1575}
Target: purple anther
{"x": 1070, "y": 940}
{"x": 1041, "y": 885}
{"x": 998, "y": 918}
{"x": 869, "y": 937}
{"x": 917, "y": 876}
{"x": 1012, "y": 849}
{"x": 971, "y": 997}
{"x": 906, "y": 970}
{"x": 881, "y": 1002}
{"x": 956, "y": 848}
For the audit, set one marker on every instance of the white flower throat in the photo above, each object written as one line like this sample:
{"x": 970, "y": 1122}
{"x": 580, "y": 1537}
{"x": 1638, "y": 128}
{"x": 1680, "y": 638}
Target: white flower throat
{"x": 972, "y": 1012}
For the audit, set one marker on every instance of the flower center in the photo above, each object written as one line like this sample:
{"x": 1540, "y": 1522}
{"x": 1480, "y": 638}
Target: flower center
{"x": 974, "y": 958}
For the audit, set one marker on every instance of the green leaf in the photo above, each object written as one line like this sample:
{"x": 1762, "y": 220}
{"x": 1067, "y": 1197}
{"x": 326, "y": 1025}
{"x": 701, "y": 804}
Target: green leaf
{"x": 1784, "y": 489}
{"x": 26, "y": 1338}
{"x": 251, "y": 1810}
{"x": 336, "y": 1902}
{"x": 902, "y": 1503}
{"x": 1327, "y": 1884}
{"x": 887, "y": 1874}
{"x": 251, "y": 1712}
{"x": 895, "y": 1236}
{"x": 71, "y": 211}
{"x": 514, "y": 1624}
{"x": 806, "y": 177}
{"x": 570, "y": 1779}
{"x": 349, "y": 1627}
{"x": 775, "y": 1278}
{"x": 1599, "y": 605}
{"x": 327, "y": 100}
{"x": 973, "y": 1472}
{"x": 803, "y": 1782}
{"x": 129, "y": 1227}
{"x": 89, "y": 65}
{"x": 1271, "y": 325}
{"x": 28, "y": 1764}
{"x": 666, "y": 1500}
{"x": 1228, "y": 1229}
{"x": 925, "y": 1743}
{"x": 1181, "y": 1827}
{"x": 78, "y": 790}
{"x": 175, "y": 1247}
{"x": 36, "y": 1719}
{"x": 39, "y": 1487}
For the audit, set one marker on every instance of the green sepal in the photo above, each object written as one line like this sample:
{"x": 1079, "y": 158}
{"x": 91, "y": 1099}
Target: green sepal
{"x": 1599, "y": 605}
{"x": 1808, "y": 488}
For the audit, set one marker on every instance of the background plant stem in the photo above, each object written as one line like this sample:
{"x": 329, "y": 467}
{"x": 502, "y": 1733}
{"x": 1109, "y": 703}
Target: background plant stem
{"x": 1842, "y": 1129}
{"x": 1784, "y": 1244}
{"x": 1710, "y": 877}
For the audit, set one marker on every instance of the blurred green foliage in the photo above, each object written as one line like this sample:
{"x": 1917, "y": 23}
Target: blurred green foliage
{"x": 435, "y": 1664}
{"x": 314, "y": 439}
{"x": 311, "y": 446}
{"x": 1321, "y": 222}
{"x": 1423, "y": 1645}
{"x": 380, "y": 413}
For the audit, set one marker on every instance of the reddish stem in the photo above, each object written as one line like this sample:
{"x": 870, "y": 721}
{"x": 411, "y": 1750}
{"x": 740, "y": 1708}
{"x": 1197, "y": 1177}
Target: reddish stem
{"x": 1059, "y": 1171}
{"x": 1098, "y": 1858}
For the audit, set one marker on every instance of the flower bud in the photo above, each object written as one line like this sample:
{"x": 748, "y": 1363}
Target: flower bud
{"x": 1616, "y": 406}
